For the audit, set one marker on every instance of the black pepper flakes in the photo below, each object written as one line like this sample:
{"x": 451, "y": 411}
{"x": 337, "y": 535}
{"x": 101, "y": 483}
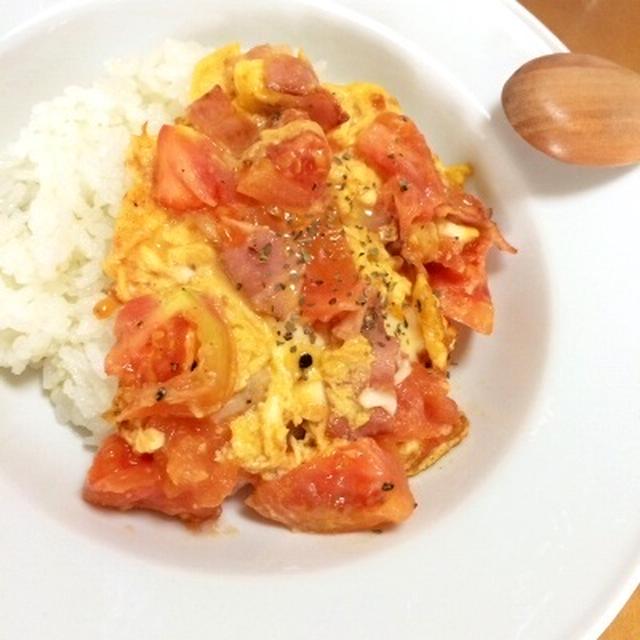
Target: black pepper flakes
{"x": 387, "y": 486}
{"x": 305, "y": 361}
{"x": 297, "y": 431}
{"x": 160, "y": 394}
{"x": 265, "y": 252}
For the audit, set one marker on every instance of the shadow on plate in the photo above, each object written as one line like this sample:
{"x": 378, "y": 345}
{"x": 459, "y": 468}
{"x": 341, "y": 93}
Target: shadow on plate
{"x": 547, "y": 176}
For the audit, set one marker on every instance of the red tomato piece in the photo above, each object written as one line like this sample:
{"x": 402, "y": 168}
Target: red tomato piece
{"x": 462, "y": 300}
{"x": 394, "y": 147}
{"x": 404, "y": 201}
{"x": 173, "y": 357}
{"x": 180, "y": 479}
{"x": 291, "y": 175}
{"x": 132, "y": 314}
{"x": 465, "y": 208}
{"x": 357, "y": 486}
{"x": 190, "y": 171}
{"x": 119, "y": 474}
{"x": 331, "y": 285}
{"x": 215, "y": 115}
{"x": 424, "y": 411}
{"x": 459, "y": 277}
{"x": 146, "y": 351}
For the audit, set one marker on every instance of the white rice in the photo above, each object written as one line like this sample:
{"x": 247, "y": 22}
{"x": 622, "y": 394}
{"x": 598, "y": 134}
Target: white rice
{"x": 61, "y": 184}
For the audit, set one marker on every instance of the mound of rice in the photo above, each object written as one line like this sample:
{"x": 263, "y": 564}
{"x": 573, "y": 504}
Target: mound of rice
{"x": 61, "y": 184}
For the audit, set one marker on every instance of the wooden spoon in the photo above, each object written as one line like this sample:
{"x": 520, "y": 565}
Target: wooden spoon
{"x": 577, "y": 108}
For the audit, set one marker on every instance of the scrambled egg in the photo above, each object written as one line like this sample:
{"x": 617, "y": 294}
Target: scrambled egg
{"x": 363, "y": 101}
{"x": 153, "y": 252}
{"x": 355, "y": 187}
{"x": 213, "y": 70}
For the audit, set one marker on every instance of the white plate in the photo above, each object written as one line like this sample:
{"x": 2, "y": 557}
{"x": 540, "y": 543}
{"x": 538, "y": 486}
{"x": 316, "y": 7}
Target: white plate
{"x": 529, "y": 530}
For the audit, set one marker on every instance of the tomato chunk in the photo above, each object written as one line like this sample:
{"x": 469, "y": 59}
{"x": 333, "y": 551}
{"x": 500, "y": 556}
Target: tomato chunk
{"x": 424, "y": 410}
{"x": 357, "y": 486}
{"x": 292, "y": 174}
{"x": 172, "y": 357}
{"x": 426, "y": 417}
{"x": 148, "y": 354}
{"x": 462, "y": 300}
{"x": 191, "y": 171}
{"x": 460, "y": 281}
{"x": 394, "y": 147}
{"x": 180, "y": 479}
{"x": 331, "y": 284}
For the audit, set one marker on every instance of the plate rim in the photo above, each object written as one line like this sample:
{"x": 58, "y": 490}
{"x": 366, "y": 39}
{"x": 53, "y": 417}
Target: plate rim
{"x": 23, "y": 29}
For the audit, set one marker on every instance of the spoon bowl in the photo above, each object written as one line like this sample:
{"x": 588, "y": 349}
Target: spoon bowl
{"x": 577, "y": 108}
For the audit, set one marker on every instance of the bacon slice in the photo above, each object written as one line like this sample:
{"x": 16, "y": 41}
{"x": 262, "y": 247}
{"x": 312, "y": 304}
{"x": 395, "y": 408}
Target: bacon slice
{"x": 321, "y": 107}
{"x": 288, "y": 74}
{"x": 395, "y": 148}
{"x": 296, "y": 81}
{"x": 385, "y": 351}
{"x": 266, "y": 268}
{"x": 291, "y": 174}
{"x": 215, "y": 115}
